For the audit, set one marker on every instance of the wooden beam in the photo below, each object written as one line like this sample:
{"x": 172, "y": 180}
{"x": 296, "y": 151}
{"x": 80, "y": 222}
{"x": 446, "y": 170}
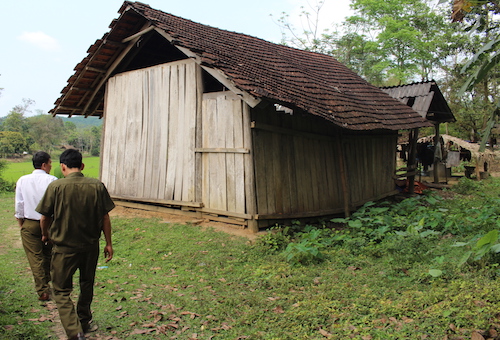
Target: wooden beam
{"x": 160, "y": 201}
{"x": 110, "y": 70}
{"x": 226, "y": 213}
{"x": 298, "y": 214}
{"x": 138, "y": 34}
{"x": 217, "y": 74}
{"x": 286, "y": 131}
{"x": 221, "y": 150}
{"x": 224, "y": 80}
{"x": 149, "y": 207}
{"x": 95, "y": 69}
{"x": 71, "y": 108}
{"x": 74, "y": 88}
{"x": 228, "y": 220}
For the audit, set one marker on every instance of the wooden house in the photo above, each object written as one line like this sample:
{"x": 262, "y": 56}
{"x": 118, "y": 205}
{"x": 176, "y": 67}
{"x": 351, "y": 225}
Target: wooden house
{"x": 231, "y": 127}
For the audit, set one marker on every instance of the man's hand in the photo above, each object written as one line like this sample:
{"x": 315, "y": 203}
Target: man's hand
{"x": 108, "y": 252}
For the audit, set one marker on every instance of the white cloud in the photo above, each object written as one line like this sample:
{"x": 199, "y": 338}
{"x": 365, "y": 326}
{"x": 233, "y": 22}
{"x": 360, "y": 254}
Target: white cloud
{"x": 41, "y": 40}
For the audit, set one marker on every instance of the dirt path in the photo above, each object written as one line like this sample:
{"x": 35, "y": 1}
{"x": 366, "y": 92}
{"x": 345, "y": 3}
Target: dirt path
{"x": 13, "y": 239}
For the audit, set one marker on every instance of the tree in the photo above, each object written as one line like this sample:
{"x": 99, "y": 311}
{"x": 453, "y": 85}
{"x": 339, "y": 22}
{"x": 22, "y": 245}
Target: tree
{"x": 482, "y": 69}
{"x": 11, "y": 142}
{"x": 388, "y": 42}
{"x": 46, "y": 131}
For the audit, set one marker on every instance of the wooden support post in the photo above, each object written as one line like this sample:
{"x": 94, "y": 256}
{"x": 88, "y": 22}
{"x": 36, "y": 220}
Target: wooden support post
{"x": 343, "y": 177}
{"x": 437, "y": 143}
{"x": 412, "y": 159}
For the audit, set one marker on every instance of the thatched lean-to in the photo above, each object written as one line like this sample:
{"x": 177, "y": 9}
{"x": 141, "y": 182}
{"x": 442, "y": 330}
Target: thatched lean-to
{"x": 230, "y": 127}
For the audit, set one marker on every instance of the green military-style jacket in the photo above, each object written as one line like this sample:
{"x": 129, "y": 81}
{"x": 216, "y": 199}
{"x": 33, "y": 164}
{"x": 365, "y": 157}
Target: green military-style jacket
{"x": 77, "y": 205}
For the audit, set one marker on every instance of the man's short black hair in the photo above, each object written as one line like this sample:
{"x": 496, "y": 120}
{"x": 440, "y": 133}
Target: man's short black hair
{"x": 39, "y": 158}
{"x": 72, "y": 158}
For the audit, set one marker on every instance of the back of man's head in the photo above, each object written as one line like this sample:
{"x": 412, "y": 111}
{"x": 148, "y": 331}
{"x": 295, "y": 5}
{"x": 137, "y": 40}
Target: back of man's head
{"x": 72, "y": 158}
{"x": 39, "y": 158}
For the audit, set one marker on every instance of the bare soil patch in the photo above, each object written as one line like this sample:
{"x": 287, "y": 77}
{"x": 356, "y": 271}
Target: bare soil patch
{"x": 127, "y": 212}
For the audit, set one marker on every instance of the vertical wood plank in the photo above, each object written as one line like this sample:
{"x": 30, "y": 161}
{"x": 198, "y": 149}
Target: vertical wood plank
{"x": 162, "y": 129}
{"x": 239, "y": 159}
{"x": 172, "y": 147}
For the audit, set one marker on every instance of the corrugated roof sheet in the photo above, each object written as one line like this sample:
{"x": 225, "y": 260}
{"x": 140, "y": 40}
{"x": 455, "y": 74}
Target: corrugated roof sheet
{"x": 312, "y": 82}
{"x": 425, "y": 97}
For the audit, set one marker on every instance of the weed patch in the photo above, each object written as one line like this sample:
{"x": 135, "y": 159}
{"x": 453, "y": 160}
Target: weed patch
{"x": 388, "y": 272}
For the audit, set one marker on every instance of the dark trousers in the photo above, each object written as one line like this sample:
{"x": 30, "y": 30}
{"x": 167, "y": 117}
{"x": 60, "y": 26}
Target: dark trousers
{"x": 64, "y": 266}
{"x": 38, "y": 255}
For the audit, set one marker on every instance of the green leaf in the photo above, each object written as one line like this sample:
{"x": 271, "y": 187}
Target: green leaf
{"x": 464, "y": 258}
{"x": 355, "y": 224}
{"x": 435, "y": 272}
{"x": 489, "y": 238}
{"x": 460, "y": 244}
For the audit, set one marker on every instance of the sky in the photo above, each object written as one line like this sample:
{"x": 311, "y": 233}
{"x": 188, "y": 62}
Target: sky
{"x": 43, "y": 40}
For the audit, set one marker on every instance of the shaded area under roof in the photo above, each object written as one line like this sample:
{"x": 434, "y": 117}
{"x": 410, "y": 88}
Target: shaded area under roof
{"x": 255, "y": 69}
{"x": 426, "y": 98}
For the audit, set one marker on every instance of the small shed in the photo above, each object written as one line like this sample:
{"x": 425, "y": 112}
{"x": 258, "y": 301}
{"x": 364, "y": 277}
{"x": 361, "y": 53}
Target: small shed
{"x": 424, "y": 97}
{"x": 231, "y": 127}
{"x": 427, "y": 99}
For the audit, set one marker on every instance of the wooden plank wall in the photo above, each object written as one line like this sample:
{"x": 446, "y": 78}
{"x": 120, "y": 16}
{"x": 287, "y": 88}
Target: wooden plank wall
{"x": 224, "y": 149}
{"x": 148, "y": 149}
{"x": 370, "y": 164}
{"x": 297, "y": 165}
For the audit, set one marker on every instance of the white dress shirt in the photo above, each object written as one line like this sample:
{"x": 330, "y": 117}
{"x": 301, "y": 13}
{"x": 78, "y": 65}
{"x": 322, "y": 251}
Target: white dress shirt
{"x": 29, "y": 191}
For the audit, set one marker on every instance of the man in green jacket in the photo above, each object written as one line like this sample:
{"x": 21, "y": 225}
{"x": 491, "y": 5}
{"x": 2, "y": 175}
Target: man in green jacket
{"x": 74, "y": 213}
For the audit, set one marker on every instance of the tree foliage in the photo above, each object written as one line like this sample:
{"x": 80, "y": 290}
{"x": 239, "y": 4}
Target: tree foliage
{"x": 19, "y": 134}
{"x": 393, "y": 42}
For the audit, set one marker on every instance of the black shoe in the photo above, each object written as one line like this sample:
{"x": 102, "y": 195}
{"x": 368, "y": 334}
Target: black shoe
{"x": 89, "y": 327}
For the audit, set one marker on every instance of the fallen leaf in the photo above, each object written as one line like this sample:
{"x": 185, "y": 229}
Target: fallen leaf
{"x": 278, "y": 310}
{"x": 476, "y": 336}
{"x": 325, "y": 333}
{"x": 149, "y": 325}
{"x": 141, "y": 331}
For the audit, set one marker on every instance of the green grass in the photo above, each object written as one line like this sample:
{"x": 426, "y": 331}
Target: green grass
{"x": 17, "y": 169}
{"x": 170, "y": 281}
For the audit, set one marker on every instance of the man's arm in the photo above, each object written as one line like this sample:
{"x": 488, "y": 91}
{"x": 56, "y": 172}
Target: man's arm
{"x": 106, "y": 229}
{"x": 19, "y": 205}
{"x": 45, "y": 222}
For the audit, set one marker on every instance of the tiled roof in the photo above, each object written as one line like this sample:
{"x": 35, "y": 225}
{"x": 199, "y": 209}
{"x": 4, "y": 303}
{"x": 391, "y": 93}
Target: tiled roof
{"x": 306, "y": 81}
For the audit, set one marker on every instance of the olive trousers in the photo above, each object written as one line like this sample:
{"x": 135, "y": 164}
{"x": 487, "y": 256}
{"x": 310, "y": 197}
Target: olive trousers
{"x": 64, "y": 266}
{"x": 38, "y": 255}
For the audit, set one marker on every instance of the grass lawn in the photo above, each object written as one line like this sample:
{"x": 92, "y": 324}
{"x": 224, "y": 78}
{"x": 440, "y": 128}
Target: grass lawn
{"x": 171, "y": 281}
{"x": 17, "y": 169}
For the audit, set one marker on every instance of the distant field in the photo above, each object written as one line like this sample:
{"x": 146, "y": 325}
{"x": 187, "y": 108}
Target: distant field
{"x": 18, "y": 169}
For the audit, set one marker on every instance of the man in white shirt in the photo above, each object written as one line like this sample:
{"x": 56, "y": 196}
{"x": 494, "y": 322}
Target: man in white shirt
{"x": 29, "y": 191}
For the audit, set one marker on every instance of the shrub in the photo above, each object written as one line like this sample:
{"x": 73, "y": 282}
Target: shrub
{"x": 466, "y": 186}
{"x": 5, "y": 186}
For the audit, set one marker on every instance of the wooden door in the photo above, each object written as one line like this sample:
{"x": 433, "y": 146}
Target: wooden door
{"x": 224, "y": 152}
